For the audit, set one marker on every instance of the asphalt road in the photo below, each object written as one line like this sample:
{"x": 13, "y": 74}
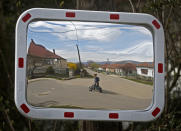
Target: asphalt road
{"x": 118, "y": 93}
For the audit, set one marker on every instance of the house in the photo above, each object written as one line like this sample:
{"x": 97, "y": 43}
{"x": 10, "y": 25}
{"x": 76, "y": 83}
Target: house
{"x": 120, "y": 69}
{"x": 100, "y": 69}
{"x": 107, "y": 68}
{"x": 116, "y": 68}
{"x": 129, "y": 69}
{"x": 39, "y": 59}
{"x": 145, "y": 69}
{"x": 111, "y": 68}
{"x": 104, "y": 67}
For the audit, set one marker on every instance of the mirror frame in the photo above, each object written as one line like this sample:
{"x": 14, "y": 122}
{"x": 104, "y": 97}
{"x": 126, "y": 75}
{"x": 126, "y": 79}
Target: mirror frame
{"x": 146, "y": 20}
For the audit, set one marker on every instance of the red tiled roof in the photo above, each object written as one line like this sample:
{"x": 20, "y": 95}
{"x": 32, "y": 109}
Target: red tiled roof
{"x": 114, "y": 66}
{"x": 104, "y": 66}
{"x": 145, "y": 64}
{"x": 130, "y": 66}
{"x": 120, "y": 66}
{"x": 40, "y": 51}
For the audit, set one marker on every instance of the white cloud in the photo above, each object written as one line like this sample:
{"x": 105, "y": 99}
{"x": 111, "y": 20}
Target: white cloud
{"x": 140, "y": 29}
{"x": 93, "y": 47}
{"x": 71, "y": 56}
{"x": 85, "y": 30}
{"x": 141, "y": 52}
{"x": 103, "y": 35}
{"x": 142, "y": 48}
{"x": 54, "y": 26}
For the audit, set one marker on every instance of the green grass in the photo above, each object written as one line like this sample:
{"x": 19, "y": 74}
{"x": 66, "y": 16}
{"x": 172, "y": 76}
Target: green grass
{"x": 139, "y": 81}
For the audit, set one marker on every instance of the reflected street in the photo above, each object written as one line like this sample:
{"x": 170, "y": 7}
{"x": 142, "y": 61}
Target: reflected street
{"x": 118, "y": 93}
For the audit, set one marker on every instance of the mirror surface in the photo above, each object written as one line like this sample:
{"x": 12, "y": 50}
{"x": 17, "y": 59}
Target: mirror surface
{"x": 89, "y": 65}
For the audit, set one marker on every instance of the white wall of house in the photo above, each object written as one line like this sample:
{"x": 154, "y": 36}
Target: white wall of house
{"x": 100, "y": 69}
{"x": 150, "y": 71}
{"x": 118, "y": 71}
{"x": 107, "y": 70}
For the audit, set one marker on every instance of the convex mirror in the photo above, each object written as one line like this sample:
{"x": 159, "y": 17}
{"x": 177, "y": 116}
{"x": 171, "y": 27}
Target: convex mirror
{"x": 89, "y": 65}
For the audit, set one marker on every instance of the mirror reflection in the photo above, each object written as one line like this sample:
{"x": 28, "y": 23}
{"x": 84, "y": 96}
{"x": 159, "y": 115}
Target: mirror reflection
{"x": 89, "y": 65}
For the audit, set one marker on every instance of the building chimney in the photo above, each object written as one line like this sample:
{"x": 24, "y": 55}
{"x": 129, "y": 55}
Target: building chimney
{"x": 53, "y": 51}
{"x": 32, "y": 41}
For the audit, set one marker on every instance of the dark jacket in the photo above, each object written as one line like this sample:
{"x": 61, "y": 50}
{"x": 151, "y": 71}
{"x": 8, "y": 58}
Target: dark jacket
{"x": 96, "y": 79}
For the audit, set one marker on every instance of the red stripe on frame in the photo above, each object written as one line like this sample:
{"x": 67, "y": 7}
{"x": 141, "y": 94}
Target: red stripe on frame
{"x": 25, "y": 108}
{"x": 156, "y": 111}
{"x": 113, "y": 115}
{"x": 160, "y": 68}
{"x": 156, "y": 24}
{"x": 20, "y": 62}
{"x": 69, "y": 114}
{"x": 70, "y": 14}
{"x": 114, "y": 16}
{"x": 26, "y": 17}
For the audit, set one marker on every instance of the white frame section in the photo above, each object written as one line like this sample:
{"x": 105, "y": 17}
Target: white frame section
{"x": 145, "y": 20}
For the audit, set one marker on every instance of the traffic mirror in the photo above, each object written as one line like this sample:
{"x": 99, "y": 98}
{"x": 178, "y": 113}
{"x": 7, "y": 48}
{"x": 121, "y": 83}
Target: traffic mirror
{"x": 89, "y": 65}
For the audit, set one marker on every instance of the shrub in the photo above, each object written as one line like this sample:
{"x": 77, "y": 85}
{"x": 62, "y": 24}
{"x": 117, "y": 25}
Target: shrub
{"x": 50, "y": 70}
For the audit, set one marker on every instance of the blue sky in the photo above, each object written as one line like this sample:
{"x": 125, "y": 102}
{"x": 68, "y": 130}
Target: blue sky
{"x": 96, "y": 41}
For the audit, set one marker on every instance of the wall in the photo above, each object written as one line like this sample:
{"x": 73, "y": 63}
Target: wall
{"x": 149, "y": 74}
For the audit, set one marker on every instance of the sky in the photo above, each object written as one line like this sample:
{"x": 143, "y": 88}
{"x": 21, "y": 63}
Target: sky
{"x": 96, "y": 41}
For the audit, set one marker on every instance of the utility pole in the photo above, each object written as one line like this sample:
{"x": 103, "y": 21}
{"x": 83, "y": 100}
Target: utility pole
{"x": 79, "y": 56}
{"x": 108, "y": 61}
{"x": 77, "y": 7}
{"x": 77, "y": 46}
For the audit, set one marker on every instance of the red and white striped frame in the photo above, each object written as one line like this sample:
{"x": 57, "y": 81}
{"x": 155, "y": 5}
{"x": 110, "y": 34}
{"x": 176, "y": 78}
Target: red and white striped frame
{"x": 145, "y": 20}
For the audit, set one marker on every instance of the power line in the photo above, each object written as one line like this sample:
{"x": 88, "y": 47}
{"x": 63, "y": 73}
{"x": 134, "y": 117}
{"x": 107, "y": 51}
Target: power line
{"x": 77, "y": 46}
{"x": 102, "y": 28}
{"x": 75, "y": 32}
{"x": 48, "y": 31}
{"x": 105, "y": 34}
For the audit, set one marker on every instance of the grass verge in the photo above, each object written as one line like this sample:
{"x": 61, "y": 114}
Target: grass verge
{"x": 139, "y": 81}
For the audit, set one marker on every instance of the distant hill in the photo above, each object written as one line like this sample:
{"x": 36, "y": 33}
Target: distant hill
{"x": 118, "y": 62}
{"x": 127, "y": 61}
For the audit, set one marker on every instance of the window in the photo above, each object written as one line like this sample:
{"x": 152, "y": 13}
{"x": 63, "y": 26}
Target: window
{"x": 144, "y": 71}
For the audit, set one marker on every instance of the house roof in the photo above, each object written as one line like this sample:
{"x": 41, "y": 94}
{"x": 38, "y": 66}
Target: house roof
{"x": 104, "y": 66}
{"x": 116, "y": 66}
{"x": 40, "y": 51}
{"x": 120, "y": 66}
{"x": 129, "y": 66}
{"x": 145, "y": 64}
